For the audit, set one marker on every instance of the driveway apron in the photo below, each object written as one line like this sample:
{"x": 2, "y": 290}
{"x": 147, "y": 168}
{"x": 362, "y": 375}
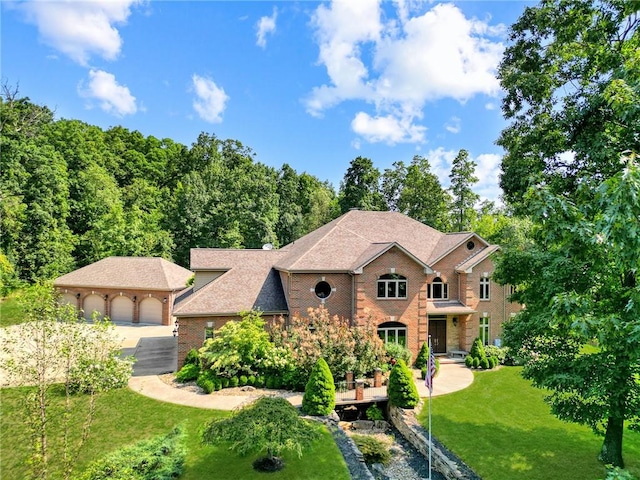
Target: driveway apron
{"x": 154, "y": 355}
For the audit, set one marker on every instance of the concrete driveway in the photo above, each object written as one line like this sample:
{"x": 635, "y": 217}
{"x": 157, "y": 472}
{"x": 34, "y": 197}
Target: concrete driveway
{"x": 154, "y": 346}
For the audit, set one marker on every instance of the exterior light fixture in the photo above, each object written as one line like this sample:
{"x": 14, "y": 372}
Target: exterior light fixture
{"x": 455, "y": 321}
{"x": 175, "y": 329}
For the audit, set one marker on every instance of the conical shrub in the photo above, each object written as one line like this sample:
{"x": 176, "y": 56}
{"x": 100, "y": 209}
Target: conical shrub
{"x": 320, "y": 393}
{"x": 402, "y": 389}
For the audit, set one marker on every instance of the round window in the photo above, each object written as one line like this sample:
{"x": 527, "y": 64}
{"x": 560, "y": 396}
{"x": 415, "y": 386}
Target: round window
{"x": 470, "y": 245}
{"x": 323, "y": 289}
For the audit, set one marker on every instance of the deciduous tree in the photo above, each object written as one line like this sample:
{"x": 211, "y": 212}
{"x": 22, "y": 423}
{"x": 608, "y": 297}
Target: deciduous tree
{"x": 580, "y": 330}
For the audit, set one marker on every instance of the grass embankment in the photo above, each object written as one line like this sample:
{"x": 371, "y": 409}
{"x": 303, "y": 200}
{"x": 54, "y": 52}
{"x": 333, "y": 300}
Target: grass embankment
{"x": 501, "y": 427}
{"x": 10, "y": 311}
{"x": 124, "y": 417}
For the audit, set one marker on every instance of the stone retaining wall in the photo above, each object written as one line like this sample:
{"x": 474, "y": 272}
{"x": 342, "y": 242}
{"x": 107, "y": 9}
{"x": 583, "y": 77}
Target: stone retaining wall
{"x": 407, "y": 424}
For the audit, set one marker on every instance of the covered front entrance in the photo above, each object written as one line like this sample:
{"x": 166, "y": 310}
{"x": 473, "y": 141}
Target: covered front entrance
{"x": 438, "y": 332}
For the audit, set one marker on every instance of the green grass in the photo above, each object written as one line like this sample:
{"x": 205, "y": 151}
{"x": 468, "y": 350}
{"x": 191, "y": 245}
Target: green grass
{"x": 501, "y": 427}
{"x": 10, "y": 311}
{"x": 124, "y": 417}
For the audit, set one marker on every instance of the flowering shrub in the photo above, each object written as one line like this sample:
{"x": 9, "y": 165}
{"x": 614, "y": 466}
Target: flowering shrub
{"x": 344, "y": 347}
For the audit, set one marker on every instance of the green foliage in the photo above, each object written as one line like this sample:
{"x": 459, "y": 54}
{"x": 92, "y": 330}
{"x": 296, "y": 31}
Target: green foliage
{"x": 462, "y": 178}
{"x": 270, "y": 425}
{"x": 477, "y": 350}
{"x": 374, "y": 412}
{"x": 570, "y": 75}
{"x": 159, "y": 458}
{"x": 238, "y": 347}
{"x": 234, "y": 382}
{"x": 468, "y": 361}
{"x": 192, "y": 357}
{"x": 498, "y": 352}
{"x": 373, "y": 450}
{"x": 402, "y": 389}
{"x": 360, "y": 187}
{"x": 617, "y": 473}
{"x": 423, "y": 356}
{"x": 188, "y": 373}
{"x": 475, "y": 362}
{"x": 416, "y": 191}
{"x": 207, "y": 381}
{"x": 578, "y": 280}
{"x": 484, "y": 363}
{"x": 320, "y": 393}
{"x": 242, "y": 380}
{"x": 399, "y": 352}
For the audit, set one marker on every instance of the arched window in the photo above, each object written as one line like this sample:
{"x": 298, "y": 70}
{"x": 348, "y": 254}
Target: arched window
{"x": 392, "y": 285}
{"x": 438, "y": 290}
{"x": 393, "y": 332}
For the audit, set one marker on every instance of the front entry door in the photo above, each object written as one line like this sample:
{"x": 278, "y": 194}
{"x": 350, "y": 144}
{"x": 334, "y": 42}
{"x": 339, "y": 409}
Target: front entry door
{"x": 438, "y": 332}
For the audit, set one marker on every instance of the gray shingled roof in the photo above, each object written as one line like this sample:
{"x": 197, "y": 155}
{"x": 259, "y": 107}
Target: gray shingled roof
{"x": 249, "y": 282}
{"x": 476, "y": 259}
{"x": 142, "y": 273}
{"x": 341, "y": 244}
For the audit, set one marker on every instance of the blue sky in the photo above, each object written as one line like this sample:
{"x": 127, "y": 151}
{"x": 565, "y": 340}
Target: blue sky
{"x": 311, "y": 84}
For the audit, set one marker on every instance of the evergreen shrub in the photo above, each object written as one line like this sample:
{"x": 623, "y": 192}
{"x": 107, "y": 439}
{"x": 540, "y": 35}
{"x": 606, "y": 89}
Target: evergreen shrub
{"x": 402, "y": 390}
{"x": 243, "y": 380}
{"x": 468, "y": 361}
{"x": 423, "y": 356}
{"x": 158, "y": 458}
{"x": 320, "y": 393}
{"x": 251, "y": 380}
{"x": 374, "y": 412}
{"x": 373, "y": 450}
{"x": 484, "y": 363}
{"x": 233, "y": 382}
{"x": 476, "y": 362}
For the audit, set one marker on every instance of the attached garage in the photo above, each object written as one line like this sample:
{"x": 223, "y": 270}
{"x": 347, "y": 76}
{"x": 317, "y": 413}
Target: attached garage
{"x": 151, "y": 311}
{"x": 68, "y": 299}
{"x": 122, "y": 309}
{"x": 93, "y": 303}
{"x": 128, "y": 289}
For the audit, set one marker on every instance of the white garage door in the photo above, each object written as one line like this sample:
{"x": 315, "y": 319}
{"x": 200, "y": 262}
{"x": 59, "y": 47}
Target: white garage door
{"x": 151, "y": 311}
{"x": 68, "y": 298}
{"x": 121, "y": 309}
{"x": 93, "y": 303}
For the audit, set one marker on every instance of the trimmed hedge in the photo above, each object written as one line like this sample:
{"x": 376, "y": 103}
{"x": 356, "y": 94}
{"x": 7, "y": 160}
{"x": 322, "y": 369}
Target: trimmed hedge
{"x": 158, "y": 458}
{"x": 188, "y": 373}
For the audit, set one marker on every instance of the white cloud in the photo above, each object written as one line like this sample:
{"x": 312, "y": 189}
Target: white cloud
{"x": 80, "y": 29}
{"x": 388, "y": 128}
{"x": 399, "y": 64}
{"x": 265, "y": 26}
{"x": 453, "y": 125}
{"x": 211, "y": 99}
{"x": 114, "y": 98}
{"x": 490, "y": 106}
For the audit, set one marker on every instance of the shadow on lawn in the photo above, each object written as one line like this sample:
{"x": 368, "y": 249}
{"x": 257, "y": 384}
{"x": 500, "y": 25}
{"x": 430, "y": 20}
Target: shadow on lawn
{"x": 497, "y": 452}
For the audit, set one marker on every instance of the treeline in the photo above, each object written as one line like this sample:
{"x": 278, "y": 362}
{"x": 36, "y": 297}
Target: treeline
{"x": 73, "y": 193}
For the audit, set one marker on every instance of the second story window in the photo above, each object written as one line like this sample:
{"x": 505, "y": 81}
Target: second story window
{"x": 438, "y": 290}
{"x": 392, "y": 285}
{"x": 484, "y": 289}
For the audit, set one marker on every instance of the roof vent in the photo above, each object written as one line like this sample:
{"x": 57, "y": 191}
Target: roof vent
{"x": 267, "y": 246}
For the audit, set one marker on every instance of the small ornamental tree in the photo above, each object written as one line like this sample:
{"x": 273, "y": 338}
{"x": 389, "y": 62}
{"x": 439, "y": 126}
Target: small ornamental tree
{"x": 271, "y": 425}
{"x": 402, "y": 389}
{"x": 320, "y": 393}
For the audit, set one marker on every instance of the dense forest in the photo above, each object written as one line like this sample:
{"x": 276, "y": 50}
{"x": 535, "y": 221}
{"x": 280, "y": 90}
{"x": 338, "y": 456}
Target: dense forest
{"x": 73, "y": 193}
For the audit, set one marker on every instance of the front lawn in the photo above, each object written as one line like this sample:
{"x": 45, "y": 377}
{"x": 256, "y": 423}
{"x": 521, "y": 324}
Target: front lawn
{"x": 124, "y": 417}
{"x": 501, "y": 427}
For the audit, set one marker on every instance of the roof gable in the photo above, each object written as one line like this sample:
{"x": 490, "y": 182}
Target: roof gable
{"x": 345, "y": 243}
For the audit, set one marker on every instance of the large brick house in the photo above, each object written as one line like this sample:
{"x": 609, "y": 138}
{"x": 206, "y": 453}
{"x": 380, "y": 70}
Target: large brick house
{"x": 413, "y": 280}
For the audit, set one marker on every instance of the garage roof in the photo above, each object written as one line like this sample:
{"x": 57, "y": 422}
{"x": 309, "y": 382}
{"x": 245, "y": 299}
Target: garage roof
{"x": 141, "y": 273}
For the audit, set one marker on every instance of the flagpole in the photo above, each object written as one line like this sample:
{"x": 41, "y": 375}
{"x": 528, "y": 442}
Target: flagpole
{"x": 430, "y": 389}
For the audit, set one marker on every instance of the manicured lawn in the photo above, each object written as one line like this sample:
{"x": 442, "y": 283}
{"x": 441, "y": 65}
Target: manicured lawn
{"x": 501, "y": 427}
{"x": 124, "y": 417}
{"x": 10, "y": 313}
